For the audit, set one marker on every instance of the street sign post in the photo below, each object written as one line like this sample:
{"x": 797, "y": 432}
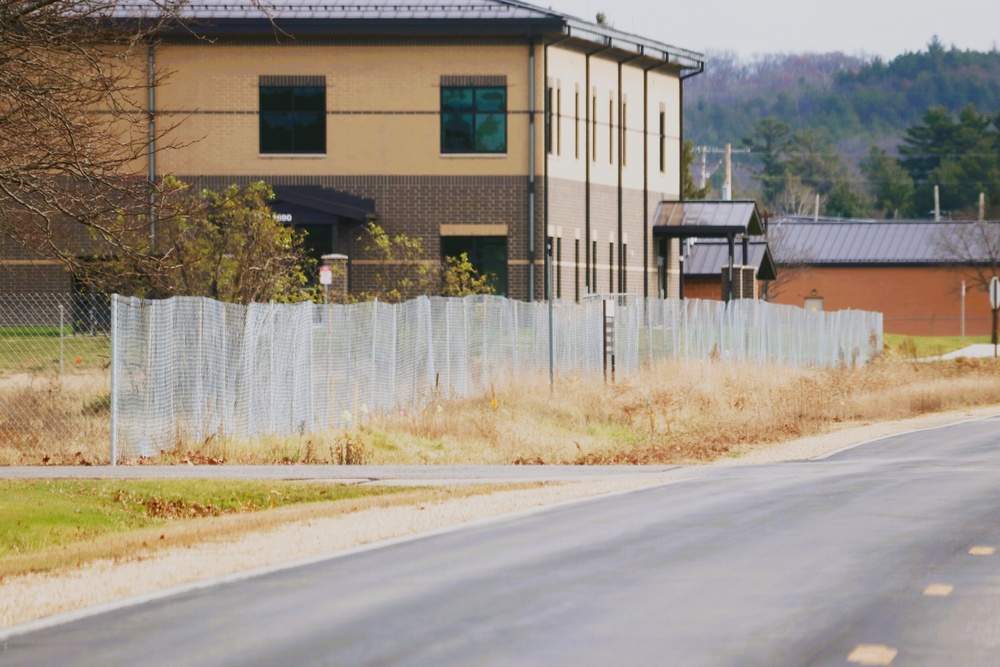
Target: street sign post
{"x": 995, "y": 305}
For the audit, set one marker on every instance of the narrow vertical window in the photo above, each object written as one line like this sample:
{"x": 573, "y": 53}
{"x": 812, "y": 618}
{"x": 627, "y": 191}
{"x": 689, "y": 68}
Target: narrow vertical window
{"x": 593, "y": 119}
{"x": 548, "y": 120}
{"x": 611, "y": 267}
{"x": 576, "y": 270}
{"x": 559, "y": 267}
{"x": 576, "y": 127}
{"x": 558, "y": 121}
{"x": 624, "y": 268}
{"x": 663, "y": 142}
{"x": 624, "y": 124}
{"x": 611, "y": 131}
{"x": 593, "y": 253}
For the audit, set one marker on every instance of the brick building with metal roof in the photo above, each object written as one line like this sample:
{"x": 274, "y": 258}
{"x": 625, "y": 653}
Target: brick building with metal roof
{"x": 910, "y": 270}
{"x": 482, "y": 126}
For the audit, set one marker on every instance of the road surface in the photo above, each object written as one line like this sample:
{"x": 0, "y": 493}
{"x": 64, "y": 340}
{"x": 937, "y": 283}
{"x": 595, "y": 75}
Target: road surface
{"x": 881, "y": 554}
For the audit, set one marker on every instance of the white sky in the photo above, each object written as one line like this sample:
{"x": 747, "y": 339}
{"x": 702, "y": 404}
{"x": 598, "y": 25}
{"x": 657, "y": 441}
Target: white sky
{"x": 856, "y": 27}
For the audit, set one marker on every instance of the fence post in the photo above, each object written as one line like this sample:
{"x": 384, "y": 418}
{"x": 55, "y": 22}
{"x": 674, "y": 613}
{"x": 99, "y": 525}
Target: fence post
{"x": 62, "y": 347}
{"x": 114, "y": 379}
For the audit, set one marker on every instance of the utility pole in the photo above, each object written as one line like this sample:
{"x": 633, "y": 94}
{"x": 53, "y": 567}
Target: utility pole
{"x": 727, "y": 187}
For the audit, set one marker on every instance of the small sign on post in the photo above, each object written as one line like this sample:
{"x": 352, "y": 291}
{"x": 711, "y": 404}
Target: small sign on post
{"x": 995, "y": 305}
{"x": 326, "y": 275}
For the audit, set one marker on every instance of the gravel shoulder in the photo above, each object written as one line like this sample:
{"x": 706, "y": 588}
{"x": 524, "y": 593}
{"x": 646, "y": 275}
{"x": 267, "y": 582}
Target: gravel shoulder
{"x": 30, "y": 597}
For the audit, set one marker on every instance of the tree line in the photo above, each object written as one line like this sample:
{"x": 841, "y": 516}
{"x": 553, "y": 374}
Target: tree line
{"x": 957, "y": 153}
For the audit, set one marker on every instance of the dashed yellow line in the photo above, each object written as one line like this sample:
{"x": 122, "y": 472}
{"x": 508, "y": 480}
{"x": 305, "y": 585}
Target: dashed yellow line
{"x": 939, "y": 589}
{"x": 872, "y": 654}
{"x": 982, "y": 551}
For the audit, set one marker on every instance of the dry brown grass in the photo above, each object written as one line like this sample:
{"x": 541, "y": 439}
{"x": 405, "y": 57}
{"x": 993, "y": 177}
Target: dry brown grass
{"x": 678, "y": 411}
{"x": 681, "y": 411}
{"x": 50, "y": 420}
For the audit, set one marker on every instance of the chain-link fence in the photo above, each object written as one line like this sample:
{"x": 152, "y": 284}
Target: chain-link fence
{"x": 55, "y": 352}
{"x": 186, "y": 369}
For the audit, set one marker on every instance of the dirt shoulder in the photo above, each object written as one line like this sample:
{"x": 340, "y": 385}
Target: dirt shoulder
{"x": 37, "y": 596}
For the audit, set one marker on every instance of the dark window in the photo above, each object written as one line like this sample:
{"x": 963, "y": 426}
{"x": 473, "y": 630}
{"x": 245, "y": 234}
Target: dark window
{"x": 559, "y": 121}
{"x": 576, "y": 127}
{"x": 548, "y": 121}
{"x": 487, "y": 254}
{"x": 593, "y": 280}
{"x": 576, "y": 269}
{"x": 663, "y": 142}
{"x": 292, "y": 119}
{"x": 473, "y": 119}
{"x": 624, "y": 124}
{"x": 611, "y": 132}
{"x": 559, "y": 267}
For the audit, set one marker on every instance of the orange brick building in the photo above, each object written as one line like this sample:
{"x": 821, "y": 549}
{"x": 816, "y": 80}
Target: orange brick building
{"x": 908, "y": 270}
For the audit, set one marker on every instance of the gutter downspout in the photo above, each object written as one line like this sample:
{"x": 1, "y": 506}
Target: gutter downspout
{"x": 680, "y": 174}
{"x": 531, "y": 169}
{"x": 645, "y": 180}
{"x": 621, "y": 170}
{"x": 591, "y": 289}
{"x": 152, "y": 145}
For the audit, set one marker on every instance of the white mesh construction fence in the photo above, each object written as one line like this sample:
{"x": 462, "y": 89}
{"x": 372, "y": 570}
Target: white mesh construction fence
{"x": 186, "y": 369}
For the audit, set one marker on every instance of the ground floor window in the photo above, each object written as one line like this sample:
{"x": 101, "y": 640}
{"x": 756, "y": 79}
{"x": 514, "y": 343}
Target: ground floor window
{"x": 487, "y": 254}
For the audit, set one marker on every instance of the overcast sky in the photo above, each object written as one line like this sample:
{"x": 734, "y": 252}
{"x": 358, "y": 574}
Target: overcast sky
{"x": 856, "y": 27}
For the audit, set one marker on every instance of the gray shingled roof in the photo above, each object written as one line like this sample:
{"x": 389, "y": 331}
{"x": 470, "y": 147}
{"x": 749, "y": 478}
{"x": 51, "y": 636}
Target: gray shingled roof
{"x": 838, "y": 241}
{"x": 380, "y": 16}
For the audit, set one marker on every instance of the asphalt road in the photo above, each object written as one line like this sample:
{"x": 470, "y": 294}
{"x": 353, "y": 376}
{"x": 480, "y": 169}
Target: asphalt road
{"x": 815, "y": 563}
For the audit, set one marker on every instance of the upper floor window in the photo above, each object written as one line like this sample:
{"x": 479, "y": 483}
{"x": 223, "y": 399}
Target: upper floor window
{"x": 293, "y": 114}
{"x": 473, "y": 119}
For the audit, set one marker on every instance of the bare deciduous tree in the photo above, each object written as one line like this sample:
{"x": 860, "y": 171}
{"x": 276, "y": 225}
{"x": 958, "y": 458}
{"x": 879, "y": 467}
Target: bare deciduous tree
{"x": 75, "y": 137}
{"x": 974, "y": 248}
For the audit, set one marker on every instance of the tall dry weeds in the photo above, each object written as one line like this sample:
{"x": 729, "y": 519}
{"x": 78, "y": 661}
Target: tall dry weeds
{"x": 677, "y": 411}
{"x": 50, "y": 420}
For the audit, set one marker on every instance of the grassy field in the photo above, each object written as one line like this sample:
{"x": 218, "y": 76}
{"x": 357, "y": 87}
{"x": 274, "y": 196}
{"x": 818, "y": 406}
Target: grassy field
{"x": 39, "y": 350}
{"x": 919, "y": 347}
{"x": 51, "y": 524}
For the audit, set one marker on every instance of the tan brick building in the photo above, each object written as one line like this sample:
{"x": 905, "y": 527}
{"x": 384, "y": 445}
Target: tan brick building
{"x": 483, "y": 127}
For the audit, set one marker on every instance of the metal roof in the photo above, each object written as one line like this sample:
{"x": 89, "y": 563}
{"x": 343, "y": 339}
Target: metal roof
{"x": 700, "y": 218}
{"x": 709, "y": 256}
{"x": 412, "y": 17}
{"x": 802, "y": 240}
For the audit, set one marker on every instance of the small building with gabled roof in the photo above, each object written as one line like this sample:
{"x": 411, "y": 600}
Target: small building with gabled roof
{"x": 912, "y": 271}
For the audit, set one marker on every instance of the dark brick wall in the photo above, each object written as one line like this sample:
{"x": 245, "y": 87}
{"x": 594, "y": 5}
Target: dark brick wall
{"x": 418, "y": 205}
{"x": 24, "y": 276}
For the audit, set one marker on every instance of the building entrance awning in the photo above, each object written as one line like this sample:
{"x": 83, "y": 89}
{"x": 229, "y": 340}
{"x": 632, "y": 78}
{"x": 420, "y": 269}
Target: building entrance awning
{"x": 707, "y": 219}
{"x": 315, "y": 205}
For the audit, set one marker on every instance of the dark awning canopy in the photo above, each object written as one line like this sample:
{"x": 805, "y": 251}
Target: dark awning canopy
{"x": 708, "y": 256}
{"x": 315, "y": 205}
{"x": 701, "y": 218}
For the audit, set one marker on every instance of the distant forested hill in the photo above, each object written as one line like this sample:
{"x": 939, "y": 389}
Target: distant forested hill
{"x": 850, "y": 100}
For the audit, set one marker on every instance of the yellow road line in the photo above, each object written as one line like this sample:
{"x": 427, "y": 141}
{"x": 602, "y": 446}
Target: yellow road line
{"x": 982, "y": 551}
{"x": 939, "y": 589}
{"x": 872, "y": 654}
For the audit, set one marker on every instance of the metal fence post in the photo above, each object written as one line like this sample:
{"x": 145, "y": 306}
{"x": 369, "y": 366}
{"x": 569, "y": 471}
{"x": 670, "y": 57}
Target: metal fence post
{"x": 62, "y": 342}
{"x": 114, "y": 379}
